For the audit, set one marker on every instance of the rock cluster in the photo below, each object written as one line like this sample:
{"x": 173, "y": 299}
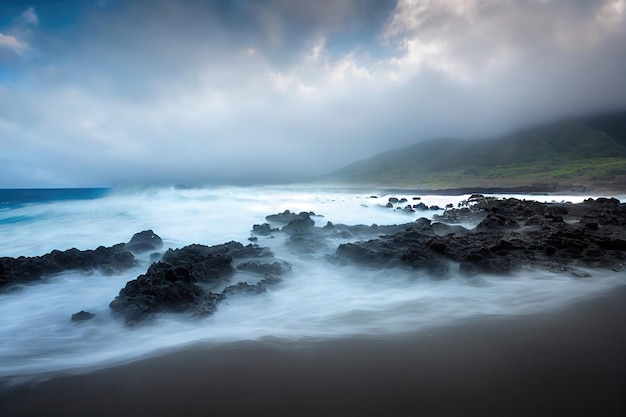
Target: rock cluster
{"x": 513, "y": 234}
{"x": 510, "y": 234}
{"x": 303, "y": 237}
{"x": 189, "y": 280}
{"x": 107, "y": 260}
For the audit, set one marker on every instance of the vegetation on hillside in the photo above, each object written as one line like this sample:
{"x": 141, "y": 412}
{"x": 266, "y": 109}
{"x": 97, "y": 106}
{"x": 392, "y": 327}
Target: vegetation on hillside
{"x": 564, "y": 153}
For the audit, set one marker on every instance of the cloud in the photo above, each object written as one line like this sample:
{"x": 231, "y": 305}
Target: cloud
{"x": 471, "y": 39}
{"x": 30, "y": 17}
{"x": 12, "y": 43}
{"x": 190, "y": 91}
{"x": 16, "y": 37}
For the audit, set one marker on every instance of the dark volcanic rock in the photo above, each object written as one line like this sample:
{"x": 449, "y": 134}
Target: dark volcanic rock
{"x": 184, "y": 279}
{"x": 262, "y": 229}
{"x": 243, "y": 288}
{"x": 497, "y": 221}
{"x": 275, "y": 268}
{"x": 303, "y": 237}
{"x": 200, "y": 262}
{"x": 403, "y": 248}
{"x": 164, "y": 287}
{"x": 512, "y": 234}
{"x": 107, "y": 260}
{"x": 286, "y": 217}
{"x": 301, "y": 223}
{"x": 82, "y": 316}
{"x": 146, "y": 241}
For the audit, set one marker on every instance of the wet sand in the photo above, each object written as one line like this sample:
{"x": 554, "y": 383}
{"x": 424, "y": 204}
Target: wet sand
{"x": 568, "y": 362}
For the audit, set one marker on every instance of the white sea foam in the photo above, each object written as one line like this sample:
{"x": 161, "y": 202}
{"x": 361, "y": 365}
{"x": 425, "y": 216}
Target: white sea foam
{"x": 316, "y": 300}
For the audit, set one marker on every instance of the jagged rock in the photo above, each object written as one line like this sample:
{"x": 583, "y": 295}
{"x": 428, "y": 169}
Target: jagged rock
{"x": 201, "y": 262}
{"x": 555, "y": 237}
{"x": 164, "y": 287}
{"x": 299, "y": 224}
{"x": 286, "y": 217}
{"x": 82, "y": 316}
{"x": 275, "y": 268}
{"x": 244, "y": 288}
{"x": 262, "y": 229}
{"x": 145, "y": 241}
{"x": 495, "y": 221}
{"x": 185, "y": 278}
{"x": 106, "y": 260}
{"x": 475, "y": 198}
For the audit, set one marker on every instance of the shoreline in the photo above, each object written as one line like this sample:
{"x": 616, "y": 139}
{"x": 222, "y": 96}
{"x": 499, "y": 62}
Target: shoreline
{"x": 525, "y": 189}
{"x": 601, "y": 189}
{"x": 567, "y": 361}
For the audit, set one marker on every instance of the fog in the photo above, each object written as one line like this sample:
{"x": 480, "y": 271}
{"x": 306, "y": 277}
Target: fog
{"x": 116, "y": 92}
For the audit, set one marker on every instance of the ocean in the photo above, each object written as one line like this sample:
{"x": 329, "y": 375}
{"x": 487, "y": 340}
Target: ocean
{"x": 316, "y": 301}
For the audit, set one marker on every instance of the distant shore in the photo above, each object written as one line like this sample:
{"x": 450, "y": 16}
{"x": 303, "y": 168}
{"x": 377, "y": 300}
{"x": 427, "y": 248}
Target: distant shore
{"x": 545, "y": 189}
{"x": 567, "y": 362}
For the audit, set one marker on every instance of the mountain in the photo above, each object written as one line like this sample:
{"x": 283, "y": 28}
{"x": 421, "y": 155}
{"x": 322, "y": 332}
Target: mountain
{"x": 583, "y": 152}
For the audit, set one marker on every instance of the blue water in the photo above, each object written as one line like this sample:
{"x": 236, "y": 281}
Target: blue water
{"x": 17, "y": 197}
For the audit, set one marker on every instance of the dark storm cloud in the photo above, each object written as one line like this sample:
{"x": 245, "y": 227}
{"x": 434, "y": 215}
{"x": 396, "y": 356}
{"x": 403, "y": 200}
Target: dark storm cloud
{"x": 169, "y": 91}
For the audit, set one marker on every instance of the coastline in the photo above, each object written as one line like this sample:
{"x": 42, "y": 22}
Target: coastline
{"x": 563, "y": 362}
{"x": 604, "y": 189}
{"x": 540, "y": 189}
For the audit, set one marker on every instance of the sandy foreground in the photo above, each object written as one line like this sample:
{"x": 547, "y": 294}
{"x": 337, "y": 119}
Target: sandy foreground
{"x": 567, "y": 362}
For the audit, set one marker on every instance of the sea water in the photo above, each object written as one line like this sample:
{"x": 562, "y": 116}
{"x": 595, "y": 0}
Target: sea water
{"x": 316, "y": 300}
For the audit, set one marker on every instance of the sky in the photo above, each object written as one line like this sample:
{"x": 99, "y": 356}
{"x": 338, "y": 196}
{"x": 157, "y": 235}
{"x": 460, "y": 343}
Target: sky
{"x": 122, "y": 92}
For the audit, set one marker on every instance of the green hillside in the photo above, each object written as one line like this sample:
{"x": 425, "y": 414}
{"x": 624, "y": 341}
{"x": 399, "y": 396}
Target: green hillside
{"x": 572, "y": 152}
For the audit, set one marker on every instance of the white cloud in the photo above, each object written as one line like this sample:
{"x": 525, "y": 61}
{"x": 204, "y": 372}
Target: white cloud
{"x": 470, "y": 40}
{"x": 30, "y": 17}
{"x": 12, "y": 43}
{"x": 289, "y": 82}
{"x": 317, "y": 51}
{"x": 611, "y": 14}
{"x": 348, "y": 68}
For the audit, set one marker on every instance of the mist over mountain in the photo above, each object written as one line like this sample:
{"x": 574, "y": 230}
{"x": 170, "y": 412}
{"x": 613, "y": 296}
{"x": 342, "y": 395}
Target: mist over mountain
{"x": 162, "y": 92}
{"x": 573, "y": 152}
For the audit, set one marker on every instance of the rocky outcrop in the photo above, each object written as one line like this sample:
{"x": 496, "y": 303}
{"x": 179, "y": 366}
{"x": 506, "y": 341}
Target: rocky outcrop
{"x": 304, "y": 238}
{"x": 106, "y": 260}
{"x": 146, "y": 241}
{"x": 287, "y": 217}
{"x": 189, "y": 280}
{"x": 513, "y": 234}
{"x": 403, "y": 248}
{"x": 263, "y": 229}
{"x": 510, "y": 234}
{"x": 82, "y": 316}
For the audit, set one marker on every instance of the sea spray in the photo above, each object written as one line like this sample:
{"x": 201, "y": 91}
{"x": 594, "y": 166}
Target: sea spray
{"x": 316, "y": 300}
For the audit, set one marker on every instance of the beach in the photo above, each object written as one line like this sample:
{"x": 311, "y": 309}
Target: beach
{"x": 569, "y": 361}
